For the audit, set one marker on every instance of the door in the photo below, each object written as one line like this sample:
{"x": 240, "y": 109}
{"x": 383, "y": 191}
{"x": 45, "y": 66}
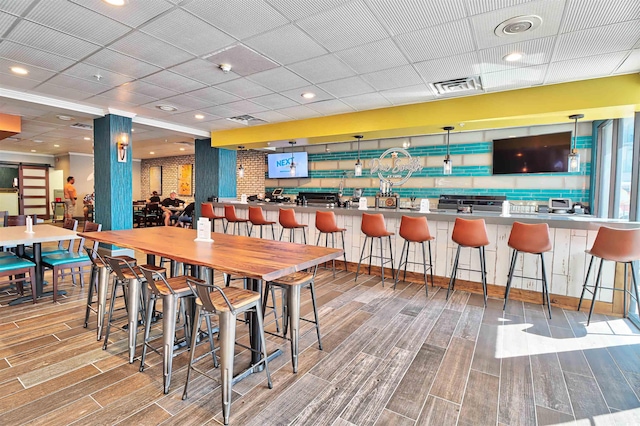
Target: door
{"x": 34, "y": 190}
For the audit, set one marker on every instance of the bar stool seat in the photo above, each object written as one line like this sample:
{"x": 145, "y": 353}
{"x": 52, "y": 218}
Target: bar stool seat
{"x": 287, "y": 219}
{"x": 206, "y": 210}
{"x": 256, "y": 217}
{"x": 615, "y": 245}
{"x": 373, "y": 227}
{"x": 532, "y": 239}
{"x": 470, "y": 233}
{"x": 326, "y": 224}
{"x": 231, "y": 217}
{"x": 415, "y": 230}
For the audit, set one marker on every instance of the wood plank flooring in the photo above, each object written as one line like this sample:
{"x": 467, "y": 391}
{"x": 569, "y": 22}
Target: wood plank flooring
{"x": 391, "y": 357}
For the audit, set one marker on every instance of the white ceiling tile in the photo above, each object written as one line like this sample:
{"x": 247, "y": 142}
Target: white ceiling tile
{"x": 150, "y": 110}
{"x": 214, "y": 96}
{"x": 296, "y": 94}
{"x": 16, "y": 7}
{"x": 12, "y": 81}
{"x": 512, "y": 78}
{"x": 203, "y": 71}
{"x": 458, "y": 66}
{"x": 584, "y": 68}
{"x": 535, "y": 52}
{"x": 189, "y": 118}
{"x": 374, "y": 56}
{"x": 278, "y": 79}
{"x": 121, "y": 64}
{"x": 125, "y": 96}
{"x": 222, "y": 111}
{"x": 35, "y": 73}
{"x": 186, "y": 102}
{"x": 241, "y": 19}
{"x": 298, "y": 9}
{"x": 201, "y": 37}
{"x": 148, "y": 89}
{"x": 77, "y": 21}
{"x": 243, "y": 60}
{"x": 346, "y": 87}
{"x": 274, "y": 101}
{"x": 243, "y": 88}
{"x": 430, "y": 43}
{"x": 345, "y": 26}
{"x": 594, "y": 41}
{"x": 330, "y": 107}
{"x": 322, "y": 68}
{"x": 393, "y": 78}
{"x": 583, "y": 14}
{"x": 6, "y": 21}
{"x": 286, "y": 45}
{"x": 91, "y": 87}
{"x": 108, "y": 102}
{"x": 630, "y": 64}
{"x": 477, "y": 7}
{"x": 246, "y": 107}
{"x": 367, "y": 101}
{"x": 173, "y": 81}
{"x": 30, "y": 56}
{"x": 134, "y": 14}
{"x": 299, "y": 112}
{"x": 550, "y": 11}
{"x": 403, "y": 16}
{"x": 150, "y": 49}
{"x": 271, "y": 116}
{"x": 88, "y": 72}
{"x": 409, "y": 95}
{"x": 224, "y": 124}
{"x": 61, "y": 92}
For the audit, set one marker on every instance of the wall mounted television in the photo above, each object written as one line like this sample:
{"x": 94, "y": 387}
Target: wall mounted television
{"x": 532, "y": 154}
{"x": 279, "y": 165}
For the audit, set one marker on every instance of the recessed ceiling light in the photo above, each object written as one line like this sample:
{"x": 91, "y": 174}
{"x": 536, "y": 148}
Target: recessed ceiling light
{"x": 308, "y": 95}
{"x": 181, "y": 149}
{"x": 56, "y": 146}
{"x": 87, "y": 139}
{"x": 37, "y": 140}
{"x": 512, "y": 57}
{"x": 19, "y": 70}
{"x": 167, "y": 108}
{"x": 33, "y": 150}
{"x": 133, "y": 130}
{"x": 199, "y": 116}
{"x": 64, "y": 117}
{"x": 115, "y": 2}
{"x": 151, "y": 152}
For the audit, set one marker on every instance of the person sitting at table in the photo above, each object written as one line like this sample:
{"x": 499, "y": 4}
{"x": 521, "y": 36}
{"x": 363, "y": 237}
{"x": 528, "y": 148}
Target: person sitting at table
{"x": 88, "y": 205}
{"x": 186, "y": 218}
{"x": 155, "y": 198}
{"x": 167, "y": 214}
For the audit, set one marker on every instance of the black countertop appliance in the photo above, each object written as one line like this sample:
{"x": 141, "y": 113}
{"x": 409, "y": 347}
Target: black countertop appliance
{"x": 492, "y": 203}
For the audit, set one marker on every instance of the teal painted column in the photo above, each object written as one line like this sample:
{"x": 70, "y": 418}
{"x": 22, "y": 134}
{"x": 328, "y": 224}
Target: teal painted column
{"x": 215, "y": 173}
{"x": 113, "y": 187}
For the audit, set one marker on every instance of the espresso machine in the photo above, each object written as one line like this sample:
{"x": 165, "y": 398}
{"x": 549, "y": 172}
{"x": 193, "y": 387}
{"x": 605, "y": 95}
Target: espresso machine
{"x": 386, "y": 198}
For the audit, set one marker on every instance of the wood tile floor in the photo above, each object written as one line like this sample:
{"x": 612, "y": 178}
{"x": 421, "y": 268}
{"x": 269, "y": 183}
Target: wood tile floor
{"x": 390, "y": 358}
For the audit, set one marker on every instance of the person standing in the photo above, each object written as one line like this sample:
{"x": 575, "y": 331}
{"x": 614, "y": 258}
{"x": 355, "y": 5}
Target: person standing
{"x": 70, "y": 197}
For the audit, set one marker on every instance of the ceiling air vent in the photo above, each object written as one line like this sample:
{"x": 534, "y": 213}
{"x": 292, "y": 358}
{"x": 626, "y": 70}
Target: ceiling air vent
{"x": 246, "y": 120}
{"x": 82, "y": 126}
{"x": 458, "y": 85}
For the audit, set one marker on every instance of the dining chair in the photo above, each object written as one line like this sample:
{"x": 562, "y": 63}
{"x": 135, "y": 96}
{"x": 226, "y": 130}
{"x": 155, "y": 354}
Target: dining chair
{"x": 16, "y": 269}
{"x": 19, "y": 220}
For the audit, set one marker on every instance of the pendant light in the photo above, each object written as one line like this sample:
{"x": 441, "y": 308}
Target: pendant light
{"x": 357, "y": 170}
{"x": 241, "y": 168}
{"x": 447, "y": 166}
{"x": 292, "y": 166}
{"x": 574, "y": 156}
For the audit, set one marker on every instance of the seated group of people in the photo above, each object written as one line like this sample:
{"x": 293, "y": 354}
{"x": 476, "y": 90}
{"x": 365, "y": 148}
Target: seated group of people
{"x": 180, "y": 218}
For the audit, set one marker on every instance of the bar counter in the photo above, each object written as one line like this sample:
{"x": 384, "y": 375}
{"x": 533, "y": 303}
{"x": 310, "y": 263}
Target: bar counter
{"x": 566, "y": 264}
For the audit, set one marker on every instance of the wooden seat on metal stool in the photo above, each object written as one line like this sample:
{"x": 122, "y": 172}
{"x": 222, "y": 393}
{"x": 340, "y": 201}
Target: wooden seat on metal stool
{"x": 326, "y": 224}
{"x": 415, "y": 230}
{"x": 206, "y": 210}
{"x": 470, "y": 233}
{"x": 533, "y": 239}
{"x": 226, "y": 304}
{"x": 231, "y": 217}
{"x": 256, "y": 217}
{"x": 287, "y": 219}
{"x": 373, "y": 227}
{"x": 616, "y": 245}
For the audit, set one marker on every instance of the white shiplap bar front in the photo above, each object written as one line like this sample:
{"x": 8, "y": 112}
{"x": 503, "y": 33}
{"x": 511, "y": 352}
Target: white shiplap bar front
{"x": 566, "y": 263}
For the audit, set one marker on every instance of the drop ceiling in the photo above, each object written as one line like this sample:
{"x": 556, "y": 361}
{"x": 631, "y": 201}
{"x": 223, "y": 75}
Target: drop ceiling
{"x": 353, "y": 54}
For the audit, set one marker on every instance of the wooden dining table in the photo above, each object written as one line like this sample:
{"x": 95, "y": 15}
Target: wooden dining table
{"x": 254, "y": 258}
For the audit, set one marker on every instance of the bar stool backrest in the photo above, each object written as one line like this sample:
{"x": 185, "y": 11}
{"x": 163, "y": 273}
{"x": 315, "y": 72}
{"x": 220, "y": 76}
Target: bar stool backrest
{"x": 230, "y": 213}
{"x": 117, "y": 266}
{"x": 153, "y": 278}
{"x": 373, "y": 225}
{"x": 204, "y": 291}
{"x": 206, "y": 210}
{"x": 287, "y": 218}
{"x": 619, "y": 245}
{"x": 530, "y": 237}
{"x": 415, "y": 229}
{"x": 256, "y": 215}
{"x": 326, "y": 222}
{"x": 95, "y": 258}
{"x": 470, "y": 232}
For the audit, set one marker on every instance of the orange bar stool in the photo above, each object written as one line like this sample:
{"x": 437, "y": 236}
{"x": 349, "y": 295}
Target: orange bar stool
{"x": 256, "y": 217}
{"x": 616, "y": 245}
{"x": 470, "y": 233}
{"x": 373, "y": 227}
{"x": 326, "y": 224}
{"x": 287, "y": 219}
{"x": 533, "y": 239}
{"x": 415, "y": 230}
{"x": 206, "y": 210}
{"x": 231, "y": 217}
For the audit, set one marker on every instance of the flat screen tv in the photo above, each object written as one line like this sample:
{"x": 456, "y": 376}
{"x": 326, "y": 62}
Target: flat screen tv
{"x": 279, "y": 165}
{"x": 532, "y": 154}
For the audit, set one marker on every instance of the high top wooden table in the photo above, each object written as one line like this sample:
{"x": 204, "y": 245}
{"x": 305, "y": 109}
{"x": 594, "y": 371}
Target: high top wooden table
{"x": 254, "y": 258}
{"x": 15, "y": 236}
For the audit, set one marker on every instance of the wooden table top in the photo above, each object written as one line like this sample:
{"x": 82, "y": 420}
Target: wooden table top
{"x": 245, "y": 256}
{"x": 15, "y": 235}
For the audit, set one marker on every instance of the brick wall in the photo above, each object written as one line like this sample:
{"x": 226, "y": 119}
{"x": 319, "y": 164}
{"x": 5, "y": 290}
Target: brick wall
{"x": 169, "y": 175}
{"x": 254, "y": 166}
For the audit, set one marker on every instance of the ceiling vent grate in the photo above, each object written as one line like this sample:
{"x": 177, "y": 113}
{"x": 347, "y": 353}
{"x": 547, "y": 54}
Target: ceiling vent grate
{"x": 246, "y": 119}
{"x": 458, "y": 85}
{"x": 82, "y": 126}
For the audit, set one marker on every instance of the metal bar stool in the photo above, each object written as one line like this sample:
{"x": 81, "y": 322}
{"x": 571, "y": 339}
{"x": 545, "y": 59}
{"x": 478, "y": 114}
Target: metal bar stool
{"x": 616, "y": 245}
{"x": 326, "y": 224}
{"x": 173, "y": 292}
{"x": 231, "y": 217}
{"x": 373, "y": 227}
{"x": 226, "y": 304}
{"x": 256, "y": 217}
{"x": 415, "y": 230}
{"x": 533, "y": 239}
{"x": 287, "y": 219}
{"x": 206, "y": 210}
{"x": 470, "y": 233}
